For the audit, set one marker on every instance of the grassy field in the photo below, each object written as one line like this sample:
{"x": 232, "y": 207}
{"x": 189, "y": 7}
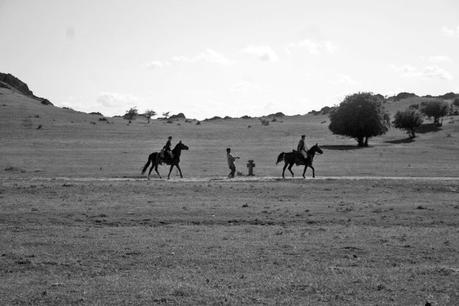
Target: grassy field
{"x": 293, "y": 242}
{"x": 89, "y": 239}
{"x": 73, "y": 144}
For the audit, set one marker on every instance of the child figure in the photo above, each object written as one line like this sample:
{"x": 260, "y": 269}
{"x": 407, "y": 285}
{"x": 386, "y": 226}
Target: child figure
{"x": 231, "y": 160}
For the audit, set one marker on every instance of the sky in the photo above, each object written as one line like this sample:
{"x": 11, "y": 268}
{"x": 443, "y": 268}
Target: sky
{"x": 227, "y": 58}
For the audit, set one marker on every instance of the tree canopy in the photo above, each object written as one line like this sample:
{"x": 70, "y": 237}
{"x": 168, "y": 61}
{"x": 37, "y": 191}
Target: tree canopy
{"x": 131, "y": 114}
{"x": 408, "y": 120}
{"x": 435, "y": 109}
{"x": 360, "y": 116}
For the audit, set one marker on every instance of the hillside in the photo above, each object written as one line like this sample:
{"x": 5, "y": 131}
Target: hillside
{"x": 44, "y": 140}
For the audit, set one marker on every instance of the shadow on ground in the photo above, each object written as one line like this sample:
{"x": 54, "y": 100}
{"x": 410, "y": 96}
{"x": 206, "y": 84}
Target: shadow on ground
{"x": 427, "y": 128}
{"x": 399, "y": 141}
{"x": 342, "y": 147}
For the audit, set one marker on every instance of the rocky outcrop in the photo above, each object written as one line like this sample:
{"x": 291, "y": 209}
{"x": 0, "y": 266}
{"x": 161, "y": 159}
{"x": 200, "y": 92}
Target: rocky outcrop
{"x": 9, "y": 81}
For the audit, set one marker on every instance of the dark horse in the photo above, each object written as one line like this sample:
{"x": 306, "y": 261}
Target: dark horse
{"x": 155, "y": 160}
{"x": 295, "y": 157}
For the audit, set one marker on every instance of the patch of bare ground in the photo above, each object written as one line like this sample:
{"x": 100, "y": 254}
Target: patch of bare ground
{"x": 292, "y": 242}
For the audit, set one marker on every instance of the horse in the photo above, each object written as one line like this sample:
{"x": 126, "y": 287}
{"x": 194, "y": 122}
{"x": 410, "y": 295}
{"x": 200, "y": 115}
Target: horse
{"x": 155, "y": 160}
{"x": 295, "y": 157}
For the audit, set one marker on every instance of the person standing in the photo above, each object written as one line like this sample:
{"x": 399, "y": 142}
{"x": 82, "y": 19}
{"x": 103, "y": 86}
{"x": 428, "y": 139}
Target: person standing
{"x": 231, "y": 159}
{"x": 301, "y": 148}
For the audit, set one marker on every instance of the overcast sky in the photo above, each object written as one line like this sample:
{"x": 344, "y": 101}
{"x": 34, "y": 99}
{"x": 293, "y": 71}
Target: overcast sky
{"x": 232, "y": 57}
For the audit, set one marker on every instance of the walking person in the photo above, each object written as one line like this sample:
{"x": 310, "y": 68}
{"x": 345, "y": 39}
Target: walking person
{"x": 231, "y": 160}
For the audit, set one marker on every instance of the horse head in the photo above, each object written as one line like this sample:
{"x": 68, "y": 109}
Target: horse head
{"x": 315, "y": 149}
{"x": 181, "y": 146}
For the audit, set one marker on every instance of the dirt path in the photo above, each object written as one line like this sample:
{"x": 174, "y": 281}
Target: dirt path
{"x": 241, "y": 179}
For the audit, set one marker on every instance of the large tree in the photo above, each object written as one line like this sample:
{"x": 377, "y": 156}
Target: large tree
{"x": 435, "y": 109}
{"x": 360, "y": 116}
{"x": 408, "y": 120}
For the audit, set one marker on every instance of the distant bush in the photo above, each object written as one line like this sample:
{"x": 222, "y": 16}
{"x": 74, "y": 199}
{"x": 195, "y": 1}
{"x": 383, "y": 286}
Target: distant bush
{"x": 264, "y": 122}
{"x": 148, "y": 114}
{"x": 402, "y": 95}
{"x": 414, "y": 106}
{"x": 435, "y": 109}
{"x": 456, "y": 102}
{"x": 131, "y": 114}
{"x": 408, "y": 120}
{"x": 449, "y": 96}
{"x": 177, "y": 117}
{"x": 246, "y": 117}
{"x": 213, "y": 118}
{"x": 96, "y": 113}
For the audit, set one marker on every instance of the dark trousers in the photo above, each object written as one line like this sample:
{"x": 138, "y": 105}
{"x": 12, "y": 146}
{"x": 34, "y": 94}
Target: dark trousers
{"x": 233, "y": 171}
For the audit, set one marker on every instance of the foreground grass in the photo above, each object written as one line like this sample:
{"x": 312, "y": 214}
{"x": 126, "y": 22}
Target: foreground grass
{"x": 297, "y": 242}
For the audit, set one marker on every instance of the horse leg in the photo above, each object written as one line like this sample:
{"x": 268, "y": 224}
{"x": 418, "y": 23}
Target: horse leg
{"x": 313, "y": 171}
{"x": 170, "y": 170}
{"x": 156, "y": 170}
{"x": 283, "y": 170}
{"x": 151, "y": 168}
{"x": 290, "y": 169}
{"x": 304, "y": 171}
{"x": 180, "y": 170}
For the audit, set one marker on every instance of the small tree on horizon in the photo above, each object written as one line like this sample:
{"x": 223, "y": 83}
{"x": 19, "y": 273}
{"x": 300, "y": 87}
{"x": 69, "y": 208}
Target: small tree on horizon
{"x": 166, "y": 115}
{"x": 435, "y": 109}
{"x": 149, "y": 113}
{"x": 408, "y": 120}
{"x": 131, "y": 114}
{"x": 360, "y": 116}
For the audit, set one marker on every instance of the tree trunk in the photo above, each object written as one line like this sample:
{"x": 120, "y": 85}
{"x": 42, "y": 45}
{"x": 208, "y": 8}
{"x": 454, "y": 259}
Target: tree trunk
{"x": 366, "y": 142}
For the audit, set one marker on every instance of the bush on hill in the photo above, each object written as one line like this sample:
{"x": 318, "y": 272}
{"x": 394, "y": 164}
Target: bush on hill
{"x": 402, "y": 95}
{"x": 360, "y": 116}
{"x": 408, "y": 120}
{"x": 177, "y": 116}
{"x": 131, "y": 114}
{"x": 436, "y": 109}
{"x": 449, "y": 96}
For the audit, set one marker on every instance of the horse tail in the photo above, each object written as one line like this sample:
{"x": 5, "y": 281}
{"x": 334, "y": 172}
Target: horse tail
{"x": 147, "y": 164}
{"x": 280, "y": 158}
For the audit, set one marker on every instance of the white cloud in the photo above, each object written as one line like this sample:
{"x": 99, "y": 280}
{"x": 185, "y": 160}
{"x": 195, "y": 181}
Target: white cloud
{"x": 344, "y": 79}
{"x": 244, "y": 87}
{"x": 113, "y": 99}
{"x": 208, "y": 55}
{"x": 311, "y": 47}
{"x": 450, "y": 32}
{"x": 437, "y": 59}
{"x": 427, "y": 72}
{"x": 156, "y": 64}
{"x": 263, "y": 53}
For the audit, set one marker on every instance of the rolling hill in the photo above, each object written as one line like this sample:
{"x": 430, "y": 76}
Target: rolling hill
{"x": 39, "y": 139}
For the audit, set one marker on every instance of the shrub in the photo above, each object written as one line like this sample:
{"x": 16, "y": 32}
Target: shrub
{"x": 408, "y": 120}
{"x": 148, "y": 114}
{"x": 131, "y": 114}
{"x": 360, "y": 116}
{"x": 436, "y": 109}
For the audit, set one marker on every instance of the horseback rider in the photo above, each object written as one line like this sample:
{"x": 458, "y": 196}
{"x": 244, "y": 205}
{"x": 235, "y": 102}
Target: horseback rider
{"x": 166, "y": 152}
{"x": 301, "y": 148}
